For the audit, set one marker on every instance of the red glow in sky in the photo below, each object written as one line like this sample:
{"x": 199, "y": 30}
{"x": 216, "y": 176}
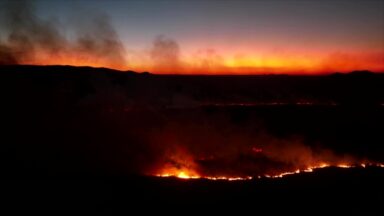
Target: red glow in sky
{"x": 197, "y": 37}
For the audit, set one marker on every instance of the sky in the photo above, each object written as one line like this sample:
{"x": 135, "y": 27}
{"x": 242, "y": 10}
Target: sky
{"x": 210, "y": 37}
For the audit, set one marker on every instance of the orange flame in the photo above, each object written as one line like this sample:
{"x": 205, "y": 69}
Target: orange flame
{"x": 191, "y": 174}
{"x": 179, "y": 173}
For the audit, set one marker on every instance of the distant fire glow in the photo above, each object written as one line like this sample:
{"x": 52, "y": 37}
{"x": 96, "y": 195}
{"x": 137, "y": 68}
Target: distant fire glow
{"x": 190, "y": 174}
{"x": 214, "y": 148}
{"x": 253, "y": 162}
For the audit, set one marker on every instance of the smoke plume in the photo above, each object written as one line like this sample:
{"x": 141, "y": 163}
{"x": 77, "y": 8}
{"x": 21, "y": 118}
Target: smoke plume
{"x": 29, "y": 39}
{"x": 165, "y": 54}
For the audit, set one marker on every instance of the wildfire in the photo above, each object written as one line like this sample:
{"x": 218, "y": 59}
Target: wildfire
{"x": 190, "y": 174}
{"x": 181, "y": 166}
{"x": 247, "y": 162}
{"x": 180, "y": 174}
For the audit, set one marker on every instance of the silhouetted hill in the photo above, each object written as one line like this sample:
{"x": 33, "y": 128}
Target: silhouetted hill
{"x": 359, "y": 88}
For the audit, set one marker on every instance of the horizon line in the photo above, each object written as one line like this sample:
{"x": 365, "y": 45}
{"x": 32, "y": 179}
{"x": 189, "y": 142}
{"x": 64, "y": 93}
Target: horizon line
{"x": 298, "y": 73}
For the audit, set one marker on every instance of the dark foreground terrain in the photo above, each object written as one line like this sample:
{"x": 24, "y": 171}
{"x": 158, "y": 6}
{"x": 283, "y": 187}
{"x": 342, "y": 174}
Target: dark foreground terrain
{"x": 87, "y": 139}
{"x": 328, "y": 191}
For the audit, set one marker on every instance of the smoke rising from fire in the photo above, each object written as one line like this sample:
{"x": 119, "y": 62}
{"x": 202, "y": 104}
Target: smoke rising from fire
{"x": 31, "y": 40}
{"x": 154, "y": 128}
{"x": 215, "y": 145}
{"x": 165, "y": 54}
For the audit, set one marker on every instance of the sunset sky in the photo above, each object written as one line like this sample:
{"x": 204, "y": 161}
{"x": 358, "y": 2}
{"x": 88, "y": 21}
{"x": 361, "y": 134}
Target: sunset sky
{"x": 220, "y": 36}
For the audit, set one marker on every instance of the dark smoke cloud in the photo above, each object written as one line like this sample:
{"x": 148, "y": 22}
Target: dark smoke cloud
{"x": 165, "y": 54}
{"x": 27, "y": 33}
{"x": 27, "y": 37}
{"x": 96, "y": 35}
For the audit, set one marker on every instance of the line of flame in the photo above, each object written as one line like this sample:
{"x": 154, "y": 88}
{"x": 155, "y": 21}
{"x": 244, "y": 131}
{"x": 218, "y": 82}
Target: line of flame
{"x": 183, "y": 175}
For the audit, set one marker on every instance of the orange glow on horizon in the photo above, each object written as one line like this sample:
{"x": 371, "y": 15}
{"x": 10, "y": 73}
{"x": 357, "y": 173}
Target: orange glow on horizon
{"x": 228, "y": 64}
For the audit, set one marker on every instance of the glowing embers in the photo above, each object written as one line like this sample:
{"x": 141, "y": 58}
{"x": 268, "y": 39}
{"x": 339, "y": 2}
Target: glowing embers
{"x": 229, "y": 178}
{"x": 179, "y": 164}
{"x": 190, "y": 174}
{"x": 182, "y": 173}
{"x": 220, "y": 153}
